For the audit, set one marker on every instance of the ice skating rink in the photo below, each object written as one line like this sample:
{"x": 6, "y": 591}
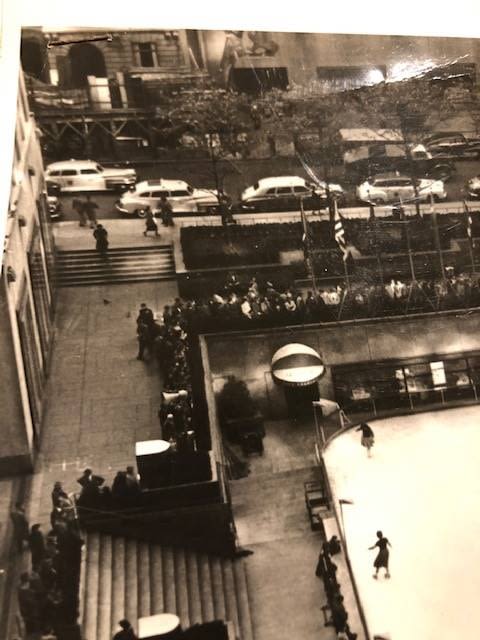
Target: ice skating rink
{"x": 421, "y": 487}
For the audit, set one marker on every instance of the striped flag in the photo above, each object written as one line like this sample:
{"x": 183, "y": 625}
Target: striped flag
{"x": 339, "y": 233}
{"x": 469, "y": 220}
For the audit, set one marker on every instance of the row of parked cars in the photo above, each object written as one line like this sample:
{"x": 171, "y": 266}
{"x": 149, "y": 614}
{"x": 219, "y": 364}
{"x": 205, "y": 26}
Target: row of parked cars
{"x": 268, "y": 194}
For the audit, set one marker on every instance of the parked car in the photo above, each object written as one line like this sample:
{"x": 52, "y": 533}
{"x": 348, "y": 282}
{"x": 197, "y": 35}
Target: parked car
{"x": 394, "y": 187}
{"x": 87, "y": 175}
{"x": 54, "y": 204}
{"x": 283, "y": 193}
{"x": 421, "y": 164}
{"x": 473, "y": 187}
{"x": 452, "y": 145}
{"x": 183, "y": 198}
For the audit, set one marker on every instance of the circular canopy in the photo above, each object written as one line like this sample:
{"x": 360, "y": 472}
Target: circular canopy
{"x": 297, "y": 365}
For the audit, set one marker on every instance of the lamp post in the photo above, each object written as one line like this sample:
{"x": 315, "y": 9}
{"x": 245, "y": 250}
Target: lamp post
{"x": 341, "y": 502}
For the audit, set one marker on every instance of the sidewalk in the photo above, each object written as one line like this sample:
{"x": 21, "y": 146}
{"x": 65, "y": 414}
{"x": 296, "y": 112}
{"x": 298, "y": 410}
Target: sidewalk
{"x": 101, "y": 400}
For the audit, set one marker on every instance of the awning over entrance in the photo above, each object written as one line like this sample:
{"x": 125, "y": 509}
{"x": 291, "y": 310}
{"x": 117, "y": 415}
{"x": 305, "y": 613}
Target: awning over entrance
{"x": 297, "y": 365}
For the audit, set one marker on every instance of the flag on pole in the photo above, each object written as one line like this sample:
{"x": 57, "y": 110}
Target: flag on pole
{"x": 339, "y": 233}
{"x": 469, "y": 220}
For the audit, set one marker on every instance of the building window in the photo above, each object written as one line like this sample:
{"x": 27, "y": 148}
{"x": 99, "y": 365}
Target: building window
{"x": 145, "y": 54}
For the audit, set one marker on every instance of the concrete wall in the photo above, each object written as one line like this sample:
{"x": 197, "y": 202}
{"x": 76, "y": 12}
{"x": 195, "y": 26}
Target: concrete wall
{"x": 248, "y": 356}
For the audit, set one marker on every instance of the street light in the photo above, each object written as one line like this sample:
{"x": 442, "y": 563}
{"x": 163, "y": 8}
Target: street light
{"x": 341, "y": 502}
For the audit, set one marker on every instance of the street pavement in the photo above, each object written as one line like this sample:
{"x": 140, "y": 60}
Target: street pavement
{"x": 236, "y": 181}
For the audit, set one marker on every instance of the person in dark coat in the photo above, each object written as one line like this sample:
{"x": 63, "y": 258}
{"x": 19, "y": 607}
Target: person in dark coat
{"x": 368, "y": 437}
{"x": 28, "y": 603}
{"x": 150, "y": 224}
{"x": 383, "y": 554}
{"x": 101, "y": 236}
{"x": 126, "y": 632}
{"x": 145, "y": 315}
{"x": 37, "y": 546}
{"x": 21, "y": 528}
{"x": 166, "y": 211}
{"x": 79, "y": 206}
{"x": 57, "y": 494}
{"x": 143, "y": 336}
{"x": 90, "y": 207}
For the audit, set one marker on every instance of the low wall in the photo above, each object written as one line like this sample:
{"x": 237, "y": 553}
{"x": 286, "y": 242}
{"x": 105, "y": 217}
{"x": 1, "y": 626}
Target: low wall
{"x": 248, "y": 355}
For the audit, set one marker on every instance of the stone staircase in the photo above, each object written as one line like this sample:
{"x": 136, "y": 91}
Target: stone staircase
{"x": 124, "y": 264}
{"x": 127, "y": 578}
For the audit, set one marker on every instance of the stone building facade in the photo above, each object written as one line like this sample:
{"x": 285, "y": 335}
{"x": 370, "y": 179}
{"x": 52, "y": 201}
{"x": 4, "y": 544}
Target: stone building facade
{"x": 26, "y": 300}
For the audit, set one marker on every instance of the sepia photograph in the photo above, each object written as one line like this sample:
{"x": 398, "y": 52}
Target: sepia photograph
{"x": 240, "y": 343}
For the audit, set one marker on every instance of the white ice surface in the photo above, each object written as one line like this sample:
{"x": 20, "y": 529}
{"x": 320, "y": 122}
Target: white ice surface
{"x": 422, "y": 489}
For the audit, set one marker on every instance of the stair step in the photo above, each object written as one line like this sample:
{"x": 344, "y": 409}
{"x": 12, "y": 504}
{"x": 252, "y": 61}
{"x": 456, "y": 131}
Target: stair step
{"x": 118, "y": 582}
{"x": 104, "y": 589}
{"x": 117, "y": 262}
{"x": 143, "y": 571}
{"x": 108, "y": 272}
{"x": 91, "y": 587}
{"x": 156, "y": 580}
{"x": 169, "y": 580}
{"x": 71, "y": 282}
{"x": 218, "y": 593}
{"x": 241, "y": 585}
{"x": 114, "y": 250}
{"x": 230, "y": 595}
{"x": 206, "y": 594}
{"x": 131, "y": 580}
{"x": 194, "y": 587}
{"x": 181, "y": 587}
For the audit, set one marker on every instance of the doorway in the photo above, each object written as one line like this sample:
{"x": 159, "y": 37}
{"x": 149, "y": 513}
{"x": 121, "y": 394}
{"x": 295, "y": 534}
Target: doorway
{"x": 299, "y": 400}
{"x": 85, "y": 60}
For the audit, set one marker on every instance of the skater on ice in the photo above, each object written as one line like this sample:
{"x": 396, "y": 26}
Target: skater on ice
{"x": 368, "y": 437}
{"x": 383, "y": 554}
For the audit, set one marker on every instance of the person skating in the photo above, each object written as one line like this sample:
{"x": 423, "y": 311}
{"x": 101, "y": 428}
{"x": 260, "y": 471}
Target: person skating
{"x": 150, "y": 224}
{"x": 368, "y": 437}
{"x": 383, "y": 554}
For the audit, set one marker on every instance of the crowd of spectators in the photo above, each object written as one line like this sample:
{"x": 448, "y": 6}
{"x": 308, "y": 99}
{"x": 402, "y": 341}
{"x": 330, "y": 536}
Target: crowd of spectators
{"x": 243, "y": 305}
{"x": 48, "y": 593}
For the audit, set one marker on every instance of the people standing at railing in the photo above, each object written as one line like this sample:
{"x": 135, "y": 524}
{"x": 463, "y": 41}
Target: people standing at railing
{"x": 21, "y": 529}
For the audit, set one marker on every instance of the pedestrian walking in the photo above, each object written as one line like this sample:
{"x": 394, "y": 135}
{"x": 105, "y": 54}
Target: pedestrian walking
{"x": 145, "y": 315}
{"x": 368, "y": 437}
{"x": 79, "y": 206}
{"x": 144, "y": 339}
{"x": 382, "y": 556}
{"x": 126, "y": 632}
{"x": 36, "y": 542}
{"x": 166, "y": 211}
{"x": 101, "y": 236}
{"x": 21, "y": 528}
{"x": 150, "y": 224}
{"x": 90, "y": 207}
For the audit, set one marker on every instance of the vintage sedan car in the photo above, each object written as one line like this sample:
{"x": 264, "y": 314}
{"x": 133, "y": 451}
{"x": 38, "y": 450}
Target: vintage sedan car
{"x": 473, "y": 187}
{"x": 87, "y": 175}
{"x": 183, "y": 198}
{"x": 283, "y": 193}
{"x": 387, "y": 188}
{"x": 454, "y": 145}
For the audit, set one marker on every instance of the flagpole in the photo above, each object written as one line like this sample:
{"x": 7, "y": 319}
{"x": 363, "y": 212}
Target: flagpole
{"x": 306, "y": 245}
{"x": 436, "y": 235}
{"x": 469, "y": 234}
